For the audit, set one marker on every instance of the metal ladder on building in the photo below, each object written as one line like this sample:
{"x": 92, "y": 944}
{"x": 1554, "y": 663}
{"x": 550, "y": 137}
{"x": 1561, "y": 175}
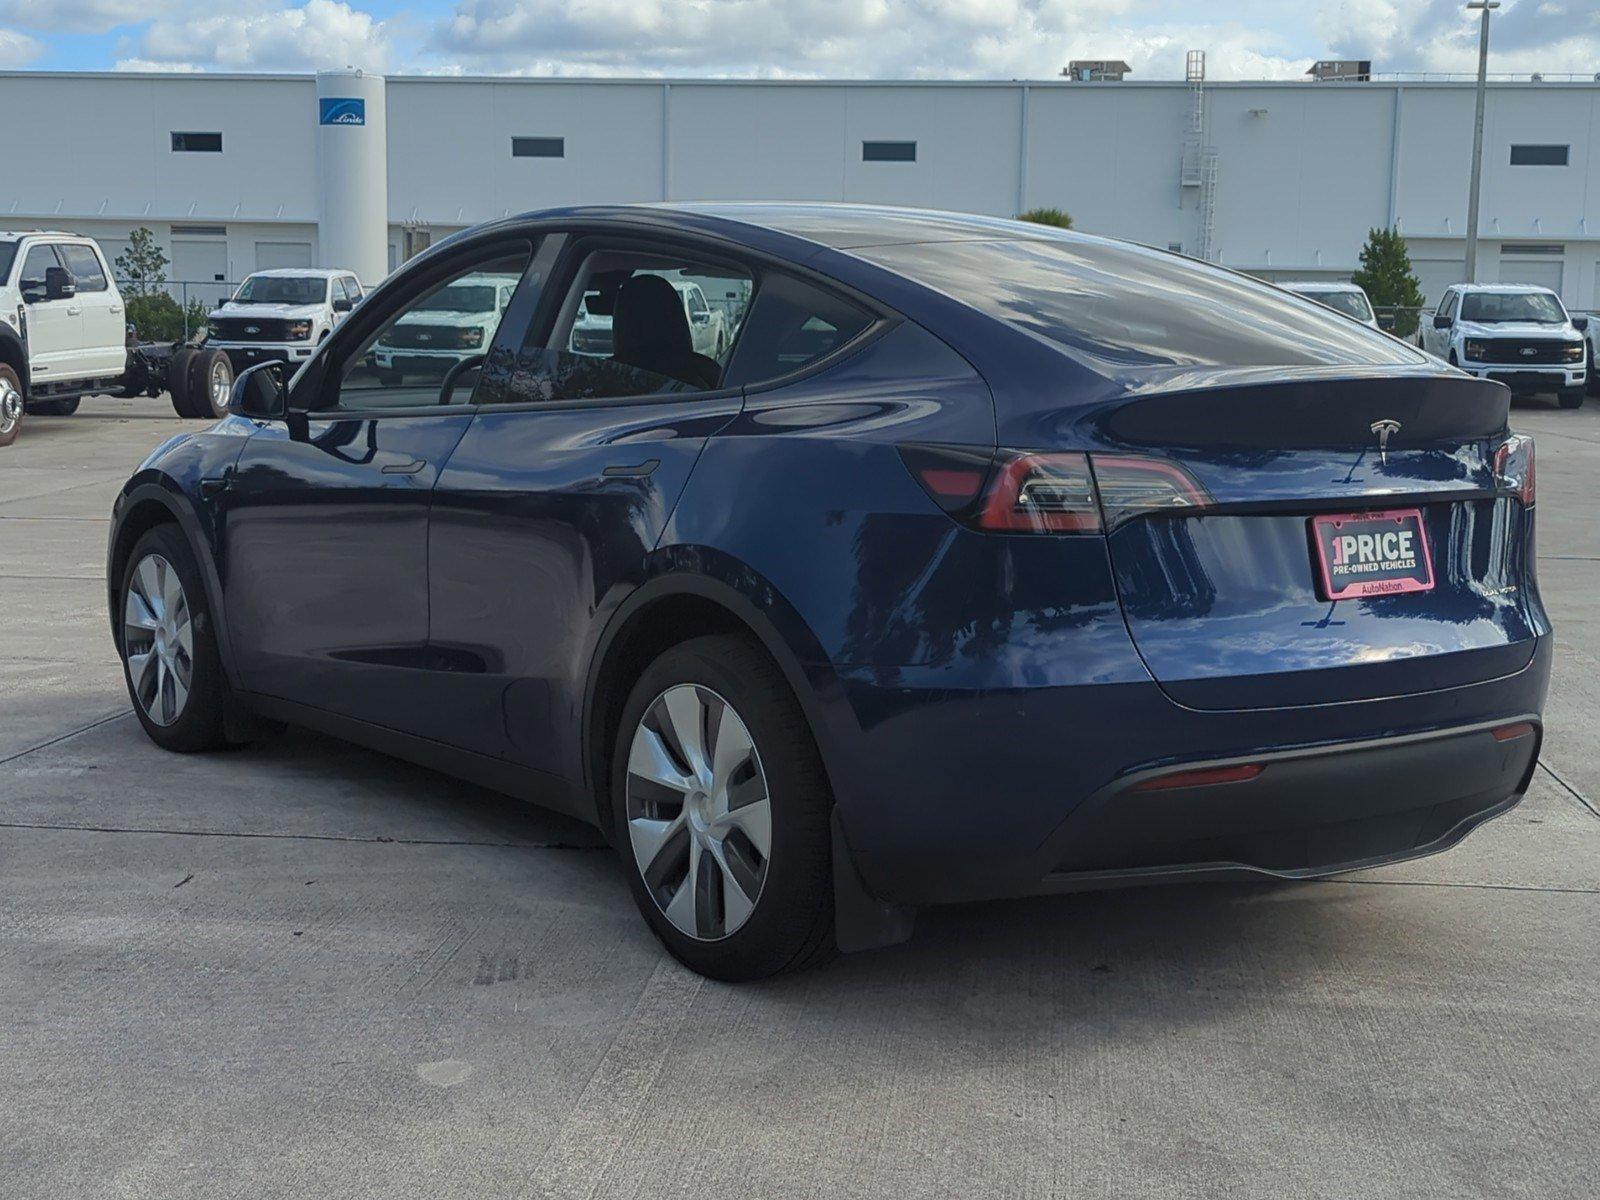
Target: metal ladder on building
{"x": 1198, "y": 168}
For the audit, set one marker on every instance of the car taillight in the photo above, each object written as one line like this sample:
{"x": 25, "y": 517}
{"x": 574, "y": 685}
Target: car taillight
{"x": 1133, "y": 485}
{"x": 1017, "y": 491}
{"x": 1513, "y": 468}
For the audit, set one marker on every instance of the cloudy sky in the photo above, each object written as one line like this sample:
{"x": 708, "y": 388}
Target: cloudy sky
{"x": 1004, "y": 39}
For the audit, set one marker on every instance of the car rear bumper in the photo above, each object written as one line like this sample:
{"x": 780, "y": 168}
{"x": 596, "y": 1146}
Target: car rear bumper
{"x": 949, "y": 797}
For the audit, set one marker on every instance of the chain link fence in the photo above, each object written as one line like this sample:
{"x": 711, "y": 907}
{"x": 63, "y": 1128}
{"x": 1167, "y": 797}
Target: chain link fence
{"x": 174, "y": 311}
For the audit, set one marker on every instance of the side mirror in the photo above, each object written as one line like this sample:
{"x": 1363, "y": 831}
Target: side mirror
{"x": 343, "y": 304}
{"x": 261, "y": 392}
{"x": 1441, "y": 321}
{"x": 1581, "y": 324}
{"x": 1386, "y": 320}
{"x": 58, "y": 284}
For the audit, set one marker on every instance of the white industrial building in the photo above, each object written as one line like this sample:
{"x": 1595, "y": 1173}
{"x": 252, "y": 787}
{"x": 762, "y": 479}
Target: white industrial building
{"x": 237, "y": 172}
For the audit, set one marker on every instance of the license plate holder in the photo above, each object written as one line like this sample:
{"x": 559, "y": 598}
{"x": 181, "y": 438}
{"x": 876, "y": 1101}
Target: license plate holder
{"x": 1371, "y": 554}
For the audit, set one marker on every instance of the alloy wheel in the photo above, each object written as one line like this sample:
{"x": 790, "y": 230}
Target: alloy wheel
{"x": 221, "y": 385}
{"x": 10, "y": 406}
{"x": 158, "y": 639}
{"x": 699, "y": 813}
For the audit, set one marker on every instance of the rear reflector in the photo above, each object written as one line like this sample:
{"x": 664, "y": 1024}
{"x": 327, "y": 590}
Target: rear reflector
{"x": 1202, "y": 777}
{"x": 1509, "y": 733}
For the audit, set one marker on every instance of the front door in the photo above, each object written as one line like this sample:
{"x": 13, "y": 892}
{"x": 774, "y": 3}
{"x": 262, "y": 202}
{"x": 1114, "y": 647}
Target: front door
{"x": 55, "y": 327}
{"x": 104, "y": 337}
{"x": 326, "y": 528}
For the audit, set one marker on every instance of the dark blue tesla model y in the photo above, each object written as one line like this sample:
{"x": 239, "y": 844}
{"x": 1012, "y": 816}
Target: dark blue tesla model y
{"x": 836, "y": 561}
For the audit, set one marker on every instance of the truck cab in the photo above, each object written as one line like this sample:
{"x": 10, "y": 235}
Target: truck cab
{"x": 1520, "y": 335}
{"x": 62, "y": 323}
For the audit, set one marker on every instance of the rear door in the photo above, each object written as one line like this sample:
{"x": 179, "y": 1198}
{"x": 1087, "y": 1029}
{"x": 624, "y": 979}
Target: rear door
{"x": 549, "y": 509}
{"x": 104, "y": 344}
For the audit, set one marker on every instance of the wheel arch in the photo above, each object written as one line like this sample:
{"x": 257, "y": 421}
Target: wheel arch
{"x": 14, "y": 355}
{"x": 141, "y": 507}
{"x": 672, "y": 607}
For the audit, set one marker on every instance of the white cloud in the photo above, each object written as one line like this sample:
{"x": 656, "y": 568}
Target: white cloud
{"x": 17, "y": 49}
{"x": 319, "y": 33}
{"x": 82, "y": 16}
{"x": 1441, "y": 36}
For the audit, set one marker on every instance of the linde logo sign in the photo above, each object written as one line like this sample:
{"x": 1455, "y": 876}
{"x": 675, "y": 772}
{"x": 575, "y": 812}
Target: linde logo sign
{"x": 341, "y": 110}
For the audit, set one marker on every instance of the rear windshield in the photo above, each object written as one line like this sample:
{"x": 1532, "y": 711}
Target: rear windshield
{"x": 282, "y": 289}
{"x": 1487, "y": 308}
{"x": 1351, "y": 304}
{"x": 8, "y": 255}
{"x": 1123, "y": 305}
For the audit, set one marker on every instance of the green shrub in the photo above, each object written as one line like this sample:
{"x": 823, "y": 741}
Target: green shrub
{"x": 1047, "y": 216}
{"x": 1388, "y": 280}
{"x": 157, "y": 317}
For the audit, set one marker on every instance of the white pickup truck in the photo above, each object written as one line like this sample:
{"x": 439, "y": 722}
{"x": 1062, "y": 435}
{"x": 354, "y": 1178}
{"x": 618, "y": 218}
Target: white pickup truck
{"x": 64, "y": 336}
{"x": 1517, "y": 334}
{"x": 282, "y": 315}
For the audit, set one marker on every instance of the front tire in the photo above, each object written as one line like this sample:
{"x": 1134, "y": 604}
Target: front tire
{"x": 1571, "y": 398}
{"x": 721, "y": 808}
{"x": 168, "y": 645}
{"x": 12, "y": 405}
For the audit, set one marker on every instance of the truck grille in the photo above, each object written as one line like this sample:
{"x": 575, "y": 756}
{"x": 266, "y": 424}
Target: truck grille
{"x": 251, "y": 329}
{"x": 432, "y": 337}
{"x": 1525, "y": 351}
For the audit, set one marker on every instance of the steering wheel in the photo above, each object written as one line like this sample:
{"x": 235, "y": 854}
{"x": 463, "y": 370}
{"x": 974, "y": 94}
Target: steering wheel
{"x": 448, "y": 387}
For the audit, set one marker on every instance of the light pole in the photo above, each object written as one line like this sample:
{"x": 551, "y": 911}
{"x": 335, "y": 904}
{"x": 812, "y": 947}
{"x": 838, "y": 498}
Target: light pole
{"x": 1485, "y": 6}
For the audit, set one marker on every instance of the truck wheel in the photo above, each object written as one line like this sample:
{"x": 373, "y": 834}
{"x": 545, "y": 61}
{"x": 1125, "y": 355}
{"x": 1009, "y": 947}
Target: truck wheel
{"x": 53, "y": 408}
{"x": 210, "y": 383}
{"x": 11, "y": 406}
{"x": 1594, "y": 377}
{"x": 178, "y": 380}
{"x": 1571, "y": 398}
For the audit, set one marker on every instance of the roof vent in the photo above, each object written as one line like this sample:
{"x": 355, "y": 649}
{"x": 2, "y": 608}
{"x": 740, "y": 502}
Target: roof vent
{"x": 1097, "y": 70}
{"x": 1346, "y": 70}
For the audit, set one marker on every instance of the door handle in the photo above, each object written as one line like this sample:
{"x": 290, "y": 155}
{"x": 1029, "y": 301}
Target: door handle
{"x": 410, "y": 468}
{"x": 116, "y": 308}
{"x": 214, "y": 486}
{"x": 637, "y": 471}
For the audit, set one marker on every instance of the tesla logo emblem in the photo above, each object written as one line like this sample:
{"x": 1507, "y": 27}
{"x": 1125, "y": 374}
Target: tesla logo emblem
{"x": 1528, "y": 352}
{"x": 252, "y": 329}
{"x": 1384, "y": 429}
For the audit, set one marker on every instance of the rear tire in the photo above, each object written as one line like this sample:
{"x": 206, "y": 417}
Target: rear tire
{"x": 210, "y": 383}
{"x": 1571, "y": 398}
{"x": 12, "y": 405}
{"x": 720, "y": 902}
{"x": 168, "y": 645}
{"x": 178, "y": 379}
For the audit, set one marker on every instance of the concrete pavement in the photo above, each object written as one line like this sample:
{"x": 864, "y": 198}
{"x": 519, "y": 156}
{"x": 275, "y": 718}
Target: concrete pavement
{"x": 302, "y": 969}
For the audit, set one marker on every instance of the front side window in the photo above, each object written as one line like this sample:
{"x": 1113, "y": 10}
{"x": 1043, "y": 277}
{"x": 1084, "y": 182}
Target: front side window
{"x": 39, "y": 259}
{"x": 1489, "y": 308}
{"x": 636, "y": 323}
{"x": 281, "y": 289}
{"x": 8, "y": 255}
{"x": 432, "y": 349}
{"x": 85, "y": 266}
{"x": 1444, "y": 303}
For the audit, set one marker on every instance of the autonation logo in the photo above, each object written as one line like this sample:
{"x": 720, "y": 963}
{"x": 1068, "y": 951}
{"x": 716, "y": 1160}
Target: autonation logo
{"x": 342, "y": 110}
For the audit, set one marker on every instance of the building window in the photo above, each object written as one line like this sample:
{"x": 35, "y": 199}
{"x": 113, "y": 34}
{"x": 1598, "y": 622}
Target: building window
{"x": 888, "y": 152}
{"x": 1539, "y": 156}
{"x": 538, "y": 147}
{"x": 196, "y": 143}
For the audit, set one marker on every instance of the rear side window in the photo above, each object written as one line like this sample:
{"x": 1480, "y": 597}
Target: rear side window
{"x": 792, "y": 325}
{"x": 85, "y": 266}
{"x": 1114, "y": 304}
